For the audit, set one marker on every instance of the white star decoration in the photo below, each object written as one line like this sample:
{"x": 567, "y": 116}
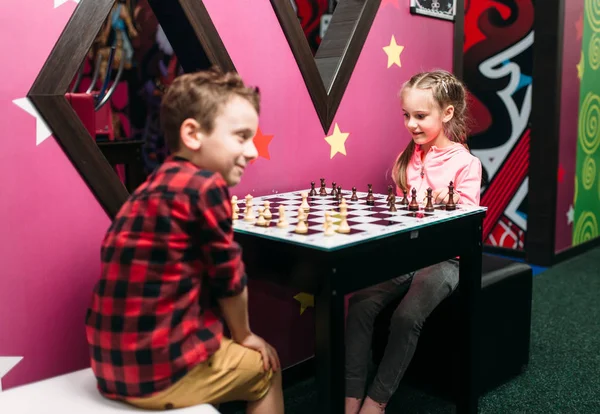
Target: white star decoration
{"x": 6, "y": 364}
{"x": 58, "y": 3}
{"x": 41, "y": 129}
{"x": 570, "y": 215}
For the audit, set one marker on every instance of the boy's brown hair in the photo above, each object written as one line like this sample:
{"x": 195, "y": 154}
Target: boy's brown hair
{"x": 201, "y": 96}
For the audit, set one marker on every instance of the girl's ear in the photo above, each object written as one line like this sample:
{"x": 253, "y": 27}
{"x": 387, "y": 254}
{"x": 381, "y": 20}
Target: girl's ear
{"x": 448, "y": 113}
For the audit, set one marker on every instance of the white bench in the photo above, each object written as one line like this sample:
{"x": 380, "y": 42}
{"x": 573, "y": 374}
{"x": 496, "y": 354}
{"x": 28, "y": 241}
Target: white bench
{"x": 73, "y": 393}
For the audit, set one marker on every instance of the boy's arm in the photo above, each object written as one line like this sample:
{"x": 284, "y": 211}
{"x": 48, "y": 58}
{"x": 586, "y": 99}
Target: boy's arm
{"x": 235, "y": 313}
{"x": 225, "y": 272}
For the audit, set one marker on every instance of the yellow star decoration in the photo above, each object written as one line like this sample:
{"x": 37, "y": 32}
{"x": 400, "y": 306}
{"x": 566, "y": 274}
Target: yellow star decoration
{"x": 393, "y": 51}
{"x": 580, "y": 67}
{"x": 337, "y": 141}
{"x": 306, "y": 301}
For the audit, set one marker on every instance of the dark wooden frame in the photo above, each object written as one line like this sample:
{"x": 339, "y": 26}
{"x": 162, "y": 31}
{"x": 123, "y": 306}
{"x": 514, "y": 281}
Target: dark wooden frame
{"x": 328, "y": 73}
{"x": 47, "y": 94}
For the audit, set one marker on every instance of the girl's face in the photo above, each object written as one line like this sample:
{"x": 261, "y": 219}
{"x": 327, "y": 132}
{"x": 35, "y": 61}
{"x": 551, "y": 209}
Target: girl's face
{"x": 423, "y": 117}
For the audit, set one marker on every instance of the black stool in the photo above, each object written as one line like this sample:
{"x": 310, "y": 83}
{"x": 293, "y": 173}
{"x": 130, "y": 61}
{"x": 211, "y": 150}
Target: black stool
{"x": 505, "y": 312}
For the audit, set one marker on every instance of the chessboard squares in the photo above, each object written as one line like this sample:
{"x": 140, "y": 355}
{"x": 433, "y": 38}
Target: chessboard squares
{"x": 382, "y": 215}
{"x": 387, "y": 222}
{"x": 417, "y": 214}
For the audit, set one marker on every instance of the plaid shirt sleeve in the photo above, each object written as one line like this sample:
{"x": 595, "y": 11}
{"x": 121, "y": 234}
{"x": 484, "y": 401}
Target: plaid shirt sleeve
{"x": 225, "y": 269}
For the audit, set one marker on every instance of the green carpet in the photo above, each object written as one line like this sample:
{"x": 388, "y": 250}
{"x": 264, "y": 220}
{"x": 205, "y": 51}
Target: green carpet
{"x": 563, "y": 375}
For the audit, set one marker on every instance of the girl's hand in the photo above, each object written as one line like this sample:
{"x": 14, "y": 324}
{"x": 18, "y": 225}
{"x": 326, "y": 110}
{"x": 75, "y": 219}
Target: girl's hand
{"x": 441, "y": 196}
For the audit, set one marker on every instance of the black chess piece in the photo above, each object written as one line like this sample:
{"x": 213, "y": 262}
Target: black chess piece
{"x": 429, "y": 205}
{"x": 389, "y": 194}
{"x": 450, "y": 205}
{"x": 322, "y": 190}
{"x": 312, "y": 192}
{"x": 392, "y": 203}
{"x": 354, "y": 196}
{"x": 414, "y": 204}
{"x": 338, "y": 195}
{"x": 333, "y": 189}
{"x": 370, "y": 197}
{"x": 404, "y": 201}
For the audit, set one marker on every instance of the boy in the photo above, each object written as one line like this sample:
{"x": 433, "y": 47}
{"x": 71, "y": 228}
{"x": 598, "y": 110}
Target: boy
{"x": 155, "y": 335}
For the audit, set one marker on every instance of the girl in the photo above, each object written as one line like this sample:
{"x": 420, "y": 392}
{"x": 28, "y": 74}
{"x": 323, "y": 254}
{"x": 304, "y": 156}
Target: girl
{"x": 434, "y": 106}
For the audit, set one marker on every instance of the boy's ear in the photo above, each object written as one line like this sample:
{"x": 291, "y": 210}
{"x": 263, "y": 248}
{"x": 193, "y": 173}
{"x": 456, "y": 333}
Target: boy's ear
{"x": 190, "y": 133}
{"x": 448, "y": 113}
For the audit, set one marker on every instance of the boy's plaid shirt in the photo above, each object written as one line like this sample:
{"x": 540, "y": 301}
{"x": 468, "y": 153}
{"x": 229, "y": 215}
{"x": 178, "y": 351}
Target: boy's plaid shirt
{"x": 167, "y": 256}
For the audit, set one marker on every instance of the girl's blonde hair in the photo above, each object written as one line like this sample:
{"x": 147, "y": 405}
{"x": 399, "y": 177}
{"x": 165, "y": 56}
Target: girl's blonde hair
{"x": 446, "y": 90}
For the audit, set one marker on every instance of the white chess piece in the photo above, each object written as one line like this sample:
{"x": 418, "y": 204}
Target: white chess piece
{"x": 282, "y": 221}
{"x": 301, "y": 227}
{"x": 261, "y": 218}
{"x": 248, "y": 213}
{"x": 328, "y": 226}
{"x": 267, "y": 211}
{"x": 305, "y": 206}
{"x": 343, "y": 227}
{"x": 235, "y": 208}
{"x": 301, "y": 215}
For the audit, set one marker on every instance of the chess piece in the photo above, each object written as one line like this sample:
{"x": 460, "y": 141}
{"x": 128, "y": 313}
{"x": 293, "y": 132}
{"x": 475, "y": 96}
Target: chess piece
{"x": 322, "y": 190}
{"x": 248, "y": 213}
{"x": 333, "y": 189}
{"x": 343, "y": 204}
{"x": 267, "y": 211}
{"x": 390, "y": 190}
{"x": 429, "y": 204}
{"x": 301, "y": 227}
{"x": 370, "y": 197}
{"x": 234, "y": 207}
{"x": 312, "y": 192}
{"x": 450, "y": 205}
{"x": 301, "y": 215}
{"x": 338, "y": 195}
{"x": 392, "y": 203}
{"x": 261, "y": 218}
{"x": 343, "y": 228}
{"x": 305, "y": 206}
{"x": 404, "y": 201}
{"x": 328, "y": 225}
{"x": 282, "y": 221}
{"x": 354, "y": 196}
{"x": 414, "y": 204}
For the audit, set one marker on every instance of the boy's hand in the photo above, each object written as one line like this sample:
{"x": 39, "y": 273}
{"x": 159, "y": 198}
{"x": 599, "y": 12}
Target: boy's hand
{"x": 441, "y": 196}
{"x": 269, "y": 355}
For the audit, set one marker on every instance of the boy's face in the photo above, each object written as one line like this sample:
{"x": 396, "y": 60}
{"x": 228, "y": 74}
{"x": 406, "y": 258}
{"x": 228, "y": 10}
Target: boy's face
{"x": 229, "y": 147}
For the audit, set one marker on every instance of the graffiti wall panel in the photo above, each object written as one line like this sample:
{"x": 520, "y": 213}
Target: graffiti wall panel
{"x": 498, "y": 58}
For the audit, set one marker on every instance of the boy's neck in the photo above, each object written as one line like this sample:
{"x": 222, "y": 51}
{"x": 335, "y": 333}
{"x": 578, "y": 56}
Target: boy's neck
{"x": 188, "y": 155}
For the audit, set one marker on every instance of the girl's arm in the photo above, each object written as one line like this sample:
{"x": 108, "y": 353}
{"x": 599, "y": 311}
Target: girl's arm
{"x": 468, "y": 183}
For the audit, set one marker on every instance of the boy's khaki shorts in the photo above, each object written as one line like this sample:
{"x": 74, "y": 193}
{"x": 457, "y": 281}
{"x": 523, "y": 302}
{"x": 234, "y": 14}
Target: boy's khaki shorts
{"x": 233, "y": 373}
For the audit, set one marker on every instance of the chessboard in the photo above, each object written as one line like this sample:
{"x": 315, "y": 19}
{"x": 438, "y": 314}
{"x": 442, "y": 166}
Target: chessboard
{"x": 362, "y": 215}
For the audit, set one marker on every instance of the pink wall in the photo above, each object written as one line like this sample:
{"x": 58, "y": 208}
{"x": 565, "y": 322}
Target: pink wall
{"x": 53, "y": 226}
{"x": 369, "y": 111}
{"x": 569, "y": 114}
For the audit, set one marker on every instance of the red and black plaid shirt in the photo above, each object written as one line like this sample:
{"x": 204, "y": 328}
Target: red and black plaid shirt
{"x": 167, "y": 256}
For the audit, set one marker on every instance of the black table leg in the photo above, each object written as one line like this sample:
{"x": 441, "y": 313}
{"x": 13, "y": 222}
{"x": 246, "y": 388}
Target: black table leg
{"x": 470, "y": 287}
{"x": 329, "y": 352}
